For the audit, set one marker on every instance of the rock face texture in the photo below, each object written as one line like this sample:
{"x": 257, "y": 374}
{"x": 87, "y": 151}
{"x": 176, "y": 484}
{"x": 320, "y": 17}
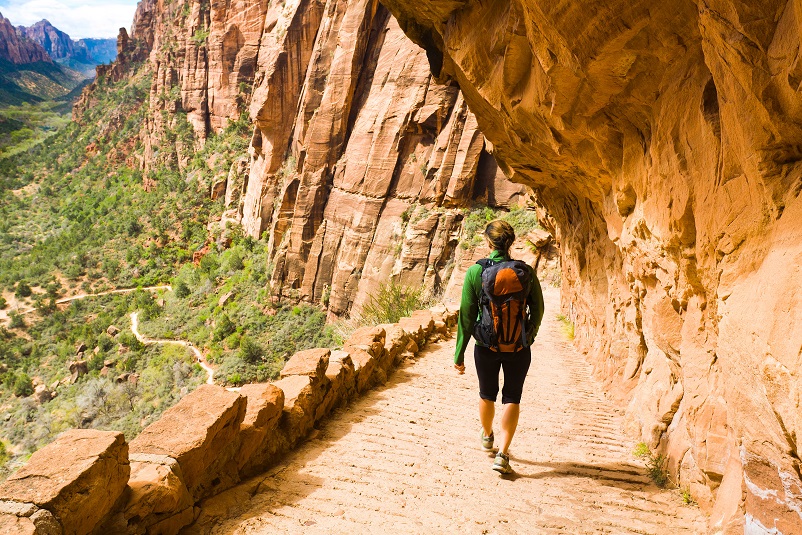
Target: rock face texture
{"x": 56, "y": 43}
{"x": 18, "y": 49}
{"x": 360, "y": 165}
{"x": 71, "y": 483}
{"x": 663, "y": 138}
{"x": 59, "y": 45}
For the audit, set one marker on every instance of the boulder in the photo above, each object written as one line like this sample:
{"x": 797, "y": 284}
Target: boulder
{"x": 78, "y": 478}
{"x": 539, "y": 238}
{"x": 225, "y": 299}
{"x": 264, "y": 409}
{"x": 364, "y": 366}
{"x": 80, "y": 347}
{"x": 312, "y": 362}
{"x": 302, "y": 396}
{"x": 414, "y": 328}
{"x": 78, "y": 368}
{"x": 112, "y": 330}
{"x": 199, "y": 432}
{"x": 371, "y": 339}
{"x": 42, "y": 394}
{"x": 342, "y": 381}
{"x": 156, "y": 489}
{"x": 395, "y": 342}
{"x": 218, "y": 188}
{"x": 426, "y": 319}
{"x": 14, "y": 525}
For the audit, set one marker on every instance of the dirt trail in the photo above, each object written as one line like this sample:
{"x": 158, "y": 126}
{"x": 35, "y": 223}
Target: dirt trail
{"x": 25, "y": 309}
{"x": 149, "y": 341}
{"x": 405, "y": 459}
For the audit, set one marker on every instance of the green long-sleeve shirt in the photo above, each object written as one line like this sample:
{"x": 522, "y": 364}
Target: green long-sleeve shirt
{"x": 469, "y": 306}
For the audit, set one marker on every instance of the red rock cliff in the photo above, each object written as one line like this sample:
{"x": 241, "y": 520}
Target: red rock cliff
{"x": 18, "y": 49}
{"x": 359, "y": 163}
{"x": 664, "y": 138}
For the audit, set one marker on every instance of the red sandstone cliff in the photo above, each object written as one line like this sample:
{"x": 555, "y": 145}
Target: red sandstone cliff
{"x": 56, "y": 43}
{"x": 359, "y": 162}
{"x": 18, "y": 49}
{"x": 663, "y": 137}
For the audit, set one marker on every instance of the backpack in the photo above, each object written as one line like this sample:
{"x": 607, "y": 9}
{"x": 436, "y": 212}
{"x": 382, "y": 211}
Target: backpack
{"x": 505, "y": 315}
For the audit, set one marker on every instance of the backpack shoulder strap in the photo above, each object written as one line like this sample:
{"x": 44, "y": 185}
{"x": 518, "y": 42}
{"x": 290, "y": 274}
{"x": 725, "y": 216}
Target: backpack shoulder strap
{"x": 485, "y": 263}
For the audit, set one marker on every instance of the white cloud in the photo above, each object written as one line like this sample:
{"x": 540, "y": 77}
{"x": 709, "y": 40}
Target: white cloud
{"x": 79, "y": 18}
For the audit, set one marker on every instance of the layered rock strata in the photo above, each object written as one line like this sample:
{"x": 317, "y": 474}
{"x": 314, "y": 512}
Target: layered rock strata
{"x": 16, "y": 48}
{"x": 351, "y": 135}
{"x": 88, "y": 482}
{"x": 83, "y": 54}
{"x": 663, "y": 137}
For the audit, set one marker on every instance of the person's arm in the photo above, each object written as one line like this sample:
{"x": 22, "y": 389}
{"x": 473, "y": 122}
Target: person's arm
{"x": 536, "y": 301}
{"x": 468, "y": 311}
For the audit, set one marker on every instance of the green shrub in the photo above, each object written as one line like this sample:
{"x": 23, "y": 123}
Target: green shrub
{"x": 127, "y": 339}
{"x": 16, "y": 321}
{"x": 3, "y": 302}
{"x": 182, "y": 290}
{"x": 23, "y": 386}
{"x": 200, "y": 37}
{"x": 23, "y": 289}
{"x": 655, "y": 464}
{"x": 250, "y": 351}
{"x": 223, "y": 328}
{"x": 567, "y": 326}
{"x": 391, "y": 303}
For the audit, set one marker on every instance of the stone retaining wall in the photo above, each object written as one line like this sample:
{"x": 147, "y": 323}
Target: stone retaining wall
{"x": 90, "y": 481}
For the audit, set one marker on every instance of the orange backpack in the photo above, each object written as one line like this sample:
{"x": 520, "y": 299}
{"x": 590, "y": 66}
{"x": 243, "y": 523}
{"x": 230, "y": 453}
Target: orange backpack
{"x": 505, "y": 315}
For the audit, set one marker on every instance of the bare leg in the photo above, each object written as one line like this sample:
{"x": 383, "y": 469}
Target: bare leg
{"x": 509, "y": 422}
{"x": 487, "y": 409}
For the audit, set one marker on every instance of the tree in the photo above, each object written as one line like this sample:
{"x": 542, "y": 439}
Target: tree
{"x": 23, "y": 386}
{"x": 23, "y": 289}
{"x": 250, "y": 351}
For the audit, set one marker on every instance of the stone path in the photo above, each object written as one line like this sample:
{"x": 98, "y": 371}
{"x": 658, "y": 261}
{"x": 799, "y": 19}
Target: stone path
{"x": 405, "y": 459}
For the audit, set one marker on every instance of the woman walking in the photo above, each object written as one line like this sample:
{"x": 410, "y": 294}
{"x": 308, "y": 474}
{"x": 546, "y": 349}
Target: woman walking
{"x": 502, "y": 307}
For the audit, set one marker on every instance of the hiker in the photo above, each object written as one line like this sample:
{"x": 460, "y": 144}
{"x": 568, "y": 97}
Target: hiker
{"x": 502, "y": 306}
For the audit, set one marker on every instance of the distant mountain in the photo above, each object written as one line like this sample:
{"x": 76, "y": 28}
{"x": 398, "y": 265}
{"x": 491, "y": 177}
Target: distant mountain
{"x": 27, "y": 72}
{"x": 18, "y": 50}
{"x": 101, "y": 50}
{"x": 82, "y": 55}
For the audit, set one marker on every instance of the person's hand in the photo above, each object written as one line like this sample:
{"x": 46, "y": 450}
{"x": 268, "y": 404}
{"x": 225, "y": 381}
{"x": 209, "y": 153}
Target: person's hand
{"x": 460, "y": 368}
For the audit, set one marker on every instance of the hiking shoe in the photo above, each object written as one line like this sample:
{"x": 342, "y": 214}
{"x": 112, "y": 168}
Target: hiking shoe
{"x": 487, "y": 442}
{"x": 502, "y": 464}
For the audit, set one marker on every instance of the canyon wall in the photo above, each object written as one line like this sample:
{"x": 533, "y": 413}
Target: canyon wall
{"x": 360, "y": 165}
{"x": 664, "y": 138}
{"x": 16, "y": 48}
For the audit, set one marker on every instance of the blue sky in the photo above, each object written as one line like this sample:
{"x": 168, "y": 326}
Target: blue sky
{"x": 79, "y": 18}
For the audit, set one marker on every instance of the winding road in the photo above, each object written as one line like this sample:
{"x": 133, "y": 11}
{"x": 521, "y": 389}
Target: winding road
{"x": 151, "y": 341}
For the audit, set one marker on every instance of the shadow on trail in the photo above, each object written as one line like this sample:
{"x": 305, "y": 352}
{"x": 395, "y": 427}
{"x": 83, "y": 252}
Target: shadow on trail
{"x": 286, "y": 482}
{"x": 615, "y": 475}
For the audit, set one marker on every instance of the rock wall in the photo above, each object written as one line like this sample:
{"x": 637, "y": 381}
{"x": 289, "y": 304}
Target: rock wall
{"x": 90, "y": 481}
{"x": 359, "y": 165}
{"x": 16, "y": 48}
{"x": 82, "y": 53}
{"x": 664, "y": 139}
{"x": 56, "y": 43}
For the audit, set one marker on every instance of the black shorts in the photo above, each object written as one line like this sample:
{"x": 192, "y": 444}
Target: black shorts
{"x": 515, "y": 366}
